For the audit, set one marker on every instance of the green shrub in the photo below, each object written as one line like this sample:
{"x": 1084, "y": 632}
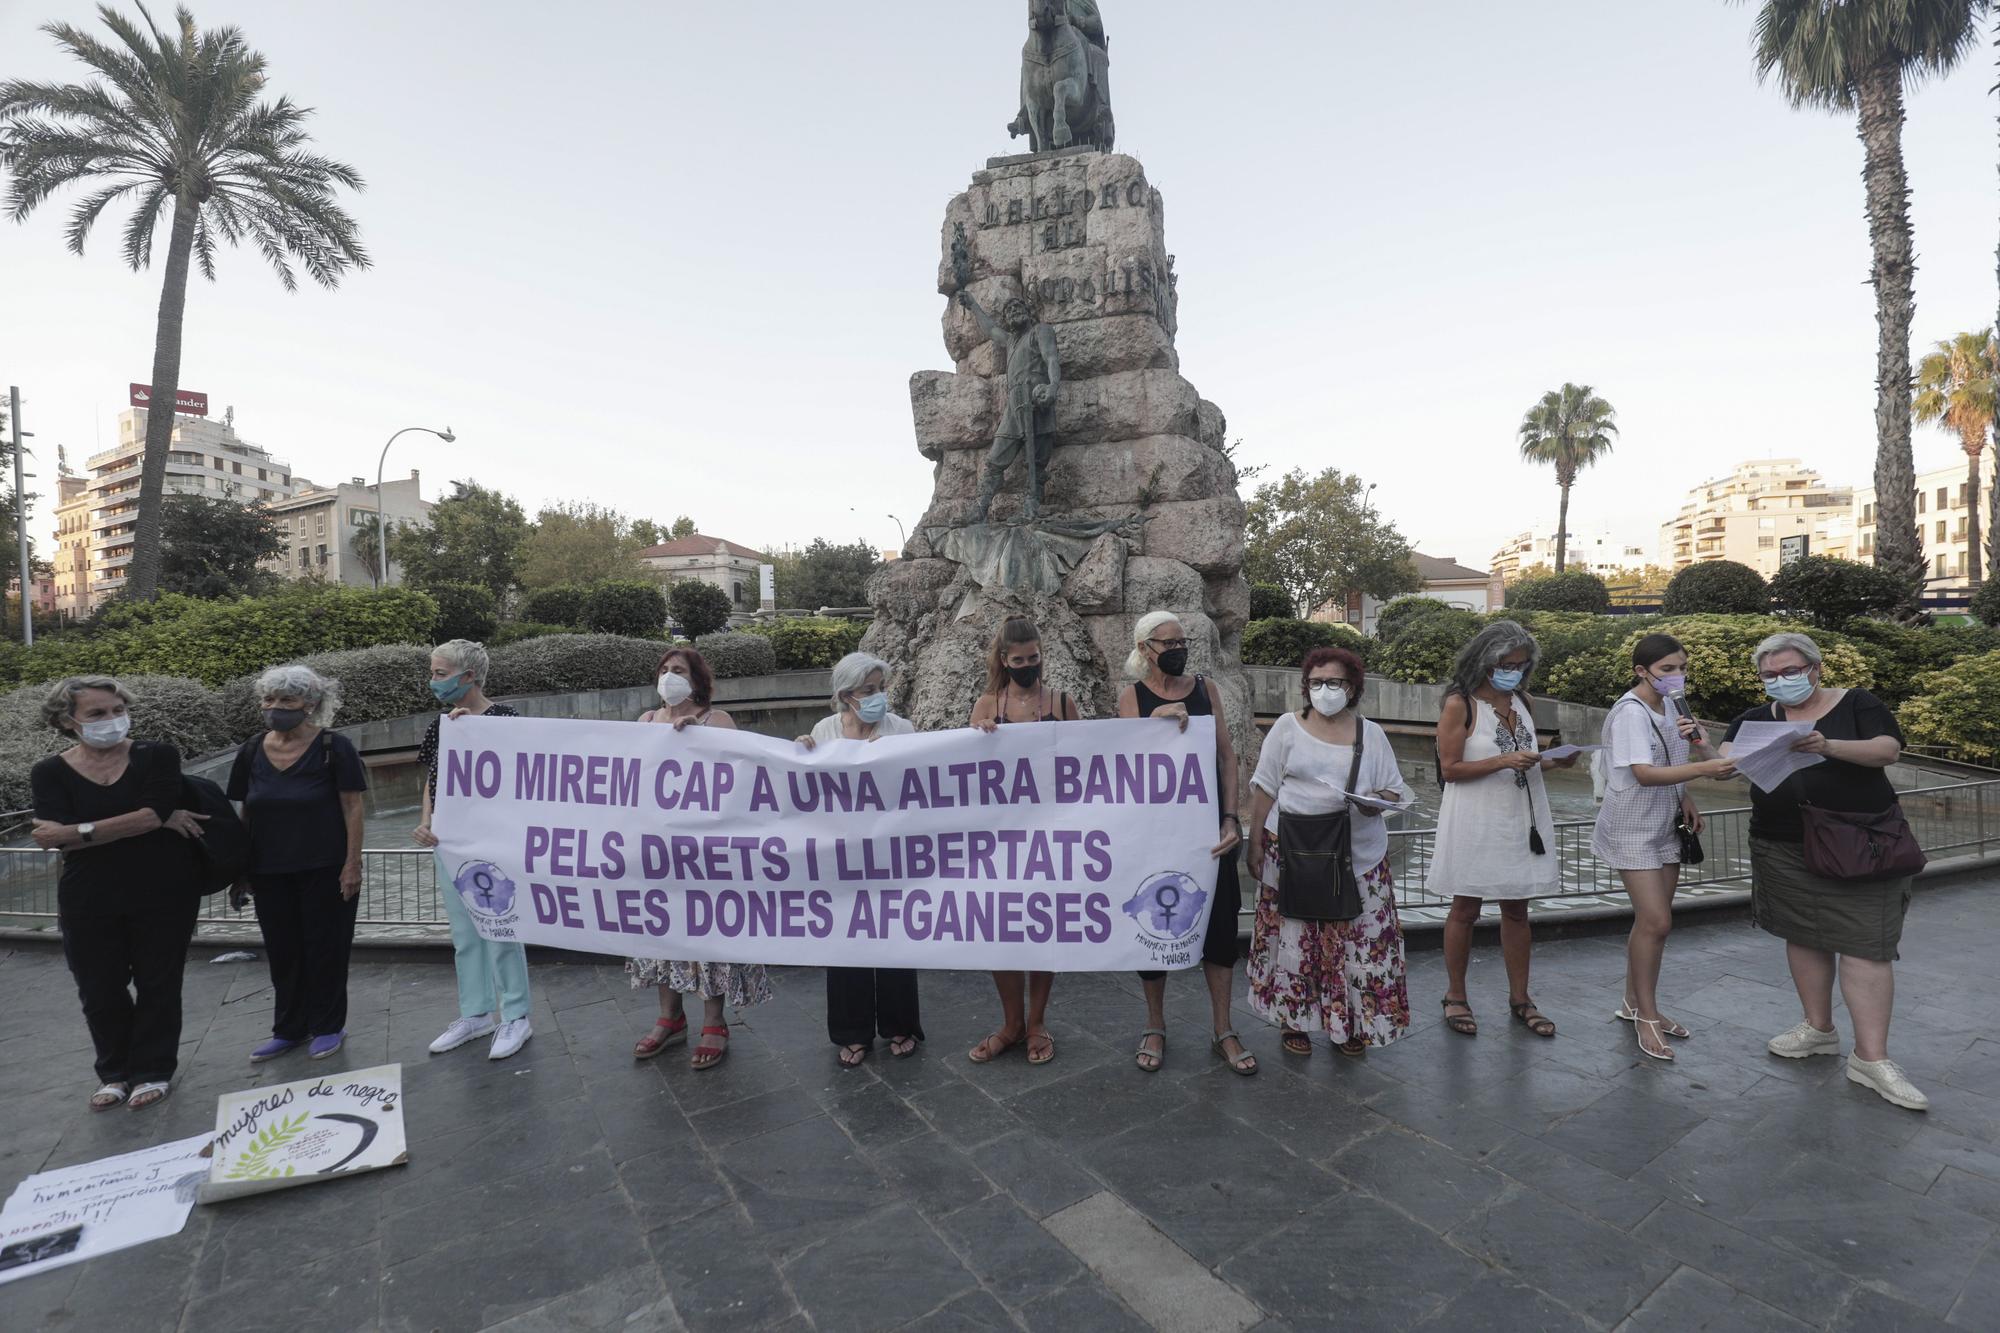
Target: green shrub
{"x": 699, "y": 608}
{"x": 121, "y": 612}
{"x": 184, "y": 713}
{"x": 1565, "y": 634}
{"x": 388, "y": 680}
{"x": 1898, "y": 654}
{"x": 1722, "y": 682}
{"x": 1268, "y": 601}
{"x": 566, "y": 663}
{"x": 1985, "y": 606}
{"x": 1594, "y": 678}
{"x": 1284, "y": 643}
{"x": 806, "y": 643}
{"x": 1425, "y": 648}
{"x": 1832, "y": 592}
{"x": 559, "y": 605}
{"x": 628, "y": 607}
{"x": 1957, "y": 710}
{"x": 12, "y": 656}
{"x": 1571, "y": 590}
{"x": 520, "y": 631}
{"x": 1717, "y": 587}
{"x": 735, "y": 654}
{"x": 465, "y": 611}
{"x": 1391, "y": 619}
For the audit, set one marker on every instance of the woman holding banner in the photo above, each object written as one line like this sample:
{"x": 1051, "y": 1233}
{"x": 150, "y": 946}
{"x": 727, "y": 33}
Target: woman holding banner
{"x": 1164, "y": 690}
{"x": 492, "y": 974}
{"x": 686, "y": 685}
{"x": 1015, "y": 693}
{"x": 1343, "y": 974}
{"x": 864, "y": 1002}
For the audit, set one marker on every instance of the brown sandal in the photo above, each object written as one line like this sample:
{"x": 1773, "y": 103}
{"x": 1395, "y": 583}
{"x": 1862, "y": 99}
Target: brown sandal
{"x": 1296, "y": 1042}
{"x": 852, "y": 1056}
{"x": 1041, "y": 1048}
{"x": 1465, "y": 1025}
{"x": 1533, "y": 1019}
{"x": 993, "y": 1047}
{"x": 1353, "y": 1048}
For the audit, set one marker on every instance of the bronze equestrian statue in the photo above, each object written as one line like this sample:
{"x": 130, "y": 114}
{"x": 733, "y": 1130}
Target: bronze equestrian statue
{"x": 1065, "y": 78}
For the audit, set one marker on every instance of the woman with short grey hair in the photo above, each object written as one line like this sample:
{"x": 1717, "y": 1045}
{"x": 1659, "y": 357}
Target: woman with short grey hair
{"x": 863, "y": 1003}
{"x": 1833, "y": 923}
{"x": 300, "y": 786}
{"x": 493, "y": 992}
{"x": 128, "y": 892}
{"x": 1496, "y": 835}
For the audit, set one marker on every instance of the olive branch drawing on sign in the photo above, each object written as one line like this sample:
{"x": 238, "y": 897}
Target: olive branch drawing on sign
{"x": 254, "y": 1164}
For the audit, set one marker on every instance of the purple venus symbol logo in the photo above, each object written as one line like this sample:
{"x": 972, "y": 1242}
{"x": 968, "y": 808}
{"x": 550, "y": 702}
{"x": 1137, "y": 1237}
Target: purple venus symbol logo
{"x": 485, "y": 888}
{"x": 1167, "y": 905}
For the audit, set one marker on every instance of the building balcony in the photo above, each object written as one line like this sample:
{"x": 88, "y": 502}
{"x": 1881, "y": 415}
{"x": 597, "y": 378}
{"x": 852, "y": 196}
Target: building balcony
{"x": 113, "y": 562}
{"x": 109, "y": 540}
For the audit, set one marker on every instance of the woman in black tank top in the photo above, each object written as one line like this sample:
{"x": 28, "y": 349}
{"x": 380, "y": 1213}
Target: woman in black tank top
{"x": 1015, "y": 693}
{"x": 1164, "y": 690}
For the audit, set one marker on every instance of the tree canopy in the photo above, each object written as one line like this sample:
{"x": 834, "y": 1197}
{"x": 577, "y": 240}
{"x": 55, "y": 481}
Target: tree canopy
{"x": 1318, "y": 539}
{"x": 825, "y": 575}
{"x": 475, "y": 536}
{"x": 216, "y": 548}
{"x": 580, "y": 543}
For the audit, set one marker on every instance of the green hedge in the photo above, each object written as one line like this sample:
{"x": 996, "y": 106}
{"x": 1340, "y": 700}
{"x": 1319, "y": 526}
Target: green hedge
{"x": 1834, "y": 592}
{"x": 736, "y": 654}
{"x": 1423, "y": 648}
{"x": 566, "y": 663}
{"x": 1285, "y": 643}
{"x": 520, "y": 631}
{"x": 1957, "y": 710}
{"x": 388, "y": 680}
{"x": 560, "y": 605}
{"x": 1716, "y": 587}
{"x": 631, "y": 607}
{"x": 465, "y": 611}
{"x": 1571, "y": 590}
{"x": 1402, "y": 610}
{"x": 806, "y": 643}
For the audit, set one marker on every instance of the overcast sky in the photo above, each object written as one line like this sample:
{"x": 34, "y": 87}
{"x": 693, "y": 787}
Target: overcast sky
{"x": 679, "y": 258}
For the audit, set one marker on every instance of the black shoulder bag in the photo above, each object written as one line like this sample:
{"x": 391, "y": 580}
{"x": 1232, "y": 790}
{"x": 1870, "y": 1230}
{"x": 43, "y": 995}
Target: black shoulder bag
{"x": 1692, "y": 853}
{"x": 1316, "y": 857}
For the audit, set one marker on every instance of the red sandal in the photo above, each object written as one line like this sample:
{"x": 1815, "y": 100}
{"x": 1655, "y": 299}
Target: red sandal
{"x": 665, "y": 1033}
{"x": 706, "y": 1056}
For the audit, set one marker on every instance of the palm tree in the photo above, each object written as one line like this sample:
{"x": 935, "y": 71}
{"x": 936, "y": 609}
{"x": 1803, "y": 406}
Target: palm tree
{"x": 1854, "y": 56}
{"x": 1570, "y": 429}
{"x": 1955, "y": 390}
{"x": 174, "y": 119}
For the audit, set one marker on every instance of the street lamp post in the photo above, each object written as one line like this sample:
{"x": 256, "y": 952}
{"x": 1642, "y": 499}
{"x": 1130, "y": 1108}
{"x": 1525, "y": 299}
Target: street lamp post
{"x": 381, "y": 511}
{"x": 901, "y": 535}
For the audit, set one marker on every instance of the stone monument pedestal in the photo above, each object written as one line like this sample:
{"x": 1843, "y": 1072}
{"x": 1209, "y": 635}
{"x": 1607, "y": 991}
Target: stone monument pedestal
{"x": 1140, "y": 510}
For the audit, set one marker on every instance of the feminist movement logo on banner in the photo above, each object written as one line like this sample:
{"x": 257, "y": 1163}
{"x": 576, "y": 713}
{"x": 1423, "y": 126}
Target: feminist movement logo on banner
{"x": 1167, "y": 910}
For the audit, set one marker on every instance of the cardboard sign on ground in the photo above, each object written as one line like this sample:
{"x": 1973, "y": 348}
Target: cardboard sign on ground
{"x": 306, "y": 1132}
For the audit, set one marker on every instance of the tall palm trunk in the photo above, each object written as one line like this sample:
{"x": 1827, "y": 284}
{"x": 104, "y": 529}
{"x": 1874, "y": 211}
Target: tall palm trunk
{"x": 1898, "y": 546}
{"x": 1562, "y": 522}
{"x": 143, "y": 578}
{"x": 1973, "y": 447}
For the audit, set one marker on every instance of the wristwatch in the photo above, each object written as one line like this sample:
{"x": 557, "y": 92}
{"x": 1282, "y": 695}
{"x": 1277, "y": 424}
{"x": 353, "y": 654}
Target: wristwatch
{"x": 88, "y": 832}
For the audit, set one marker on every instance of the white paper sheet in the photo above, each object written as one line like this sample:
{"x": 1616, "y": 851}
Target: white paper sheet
{"x": 1373, "y": 802}
{"x": 119, "y": 1201}
{"x": 1561, "y": 752}
{"x": 1763, "y": 753}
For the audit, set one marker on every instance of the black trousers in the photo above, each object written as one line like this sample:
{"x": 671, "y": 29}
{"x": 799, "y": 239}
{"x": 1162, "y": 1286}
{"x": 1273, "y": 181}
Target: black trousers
{"x": 124, "y": 941}
{"x": 308, "y": 933}
{"x": 865, "y": 1002}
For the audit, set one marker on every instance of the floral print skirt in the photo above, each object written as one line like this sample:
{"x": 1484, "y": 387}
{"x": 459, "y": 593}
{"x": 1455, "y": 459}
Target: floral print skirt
{"x": 1343, "y": 978}
{"x": 740, "y": 984}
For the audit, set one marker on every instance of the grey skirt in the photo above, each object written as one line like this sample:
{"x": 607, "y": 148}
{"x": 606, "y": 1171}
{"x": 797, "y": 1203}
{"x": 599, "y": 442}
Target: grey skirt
{"x": 1858, "y": 920}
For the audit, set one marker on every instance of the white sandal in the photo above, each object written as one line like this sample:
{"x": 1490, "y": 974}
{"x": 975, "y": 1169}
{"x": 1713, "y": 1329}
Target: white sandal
{"x": 1665, "y": 1054}
{"x": 1667, "y": 1025}
{"x": 113, "y": 1094}
{"x": 154, "y": 1094}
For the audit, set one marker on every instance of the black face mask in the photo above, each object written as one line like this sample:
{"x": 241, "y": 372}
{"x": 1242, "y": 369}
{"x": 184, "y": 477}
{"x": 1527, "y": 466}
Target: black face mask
{"x": 1026, "y": 675}
{"x": 284, "y": 719}
{"x": 1173, "y": 662}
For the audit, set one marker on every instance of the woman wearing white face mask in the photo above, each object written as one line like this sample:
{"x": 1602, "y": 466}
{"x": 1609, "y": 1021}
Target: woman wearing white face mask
{"x": 127, "y": 897}
{"x": 1345, "y": 978}
{"x": 685, "y": 686}
{"x": 863, "y": 1003}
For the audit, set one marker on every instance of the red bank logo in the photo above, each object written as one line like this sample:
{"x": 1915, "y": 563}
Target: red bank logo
{"x": 185, "y": 400}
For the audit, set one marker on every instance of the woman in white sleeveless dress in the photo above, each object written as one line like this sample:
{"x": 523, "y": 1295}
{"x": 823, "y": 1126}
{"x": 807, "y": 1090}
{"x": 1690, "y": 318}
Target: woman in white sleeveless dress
{"x": 1494, "y": 817}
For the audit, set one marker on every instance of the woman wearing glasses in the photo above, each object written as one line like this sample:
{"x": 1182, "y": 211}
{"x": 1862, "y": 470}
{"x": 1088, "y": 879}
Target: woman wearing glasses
{"x": 1164, "y": 690}
{"x": 1830, "y": 926}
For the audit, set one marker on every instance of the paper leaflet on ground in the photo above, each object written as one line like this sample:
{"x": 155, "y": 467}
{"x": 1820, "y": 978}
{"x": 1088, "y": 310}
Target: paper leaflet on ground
{"x": 1065, "y": 846}
{"x": 306, "y": 1132}
{"x": 75, "y": 1213}
{"x": 1763, "y": 753}
{"x": 1558, "y": 753}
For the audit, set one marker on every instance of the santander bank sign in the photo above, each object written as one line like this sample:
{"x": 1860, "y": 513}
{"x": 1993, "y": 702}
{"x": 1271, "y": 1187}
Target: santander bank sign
{"x": 185, "y": 400}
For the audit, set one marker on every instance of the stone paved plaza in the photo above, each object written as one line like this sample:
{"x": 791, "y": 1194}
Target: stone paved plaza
{"x": 1498, "y": 1183}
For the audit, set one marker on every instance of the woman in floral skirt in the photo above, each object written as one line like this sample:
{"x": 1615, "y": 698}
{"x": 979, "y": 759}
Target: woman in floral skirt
{"x": 1344, "y": 978}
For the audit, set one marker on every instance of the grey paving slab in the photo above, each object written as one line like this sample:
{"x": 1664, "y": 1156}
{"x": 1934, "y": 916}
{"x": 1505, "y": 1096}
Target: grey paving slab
{"x": 1602, "y": 1272}
{"x": 1810, "y": 1292}
{"x": 1163, "y": 1283}
{"x": 880, "y": 1272}
{"x": 1497, "y": 1304}
{"x": 1014, "y": 1257}
{"x": 1692, "y": 1300}
{"x": 1426, "y": 1180}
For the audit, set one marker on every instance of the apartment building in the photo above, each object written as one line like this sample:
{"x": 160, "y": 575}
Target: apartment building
{"x": 203, "y": 458}
{"x": 329, "y": 531}
{"x": 1943, "y": 520}
{"x": 71, "y": 559}
{"x": 1746, "y": 515}
{"x": 1599, "y": 552}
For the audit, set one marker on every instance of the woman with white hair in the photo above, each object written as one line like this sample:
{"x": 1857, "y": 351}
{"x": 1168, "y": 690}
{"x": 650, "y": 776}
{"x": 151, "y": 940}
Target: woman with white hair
{"x": 1162, "y": 688}
{"x": 492, "y": 974}
{"x": 1837, "y": 916}
{"x": 865, "y": 1002}
{"x": 299, "y": 786}
{"x": 1496, "y": 835}
{"x": 127, "y": 897}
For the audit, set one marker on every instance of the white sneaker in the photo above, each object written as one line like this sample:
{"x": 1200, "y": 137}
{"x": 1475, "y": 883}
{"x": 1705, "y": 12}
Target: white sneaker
{"x": 511, "y": 1037}
{"x": 1796, "y": 1043}
{"x": 1888, "y": 1080}
{"x": 460, "y": 1032}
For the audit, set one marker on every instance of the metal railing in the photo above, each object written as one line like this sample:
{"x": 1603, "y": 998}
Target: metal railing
{"x": 399, "y": 893}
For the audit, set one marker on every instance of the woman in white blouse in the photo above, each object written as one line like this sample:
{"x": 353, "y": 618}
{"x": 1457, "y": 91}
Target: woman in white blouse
{"x": 864, "y": 1002}
{"x": 1345, "y": 978}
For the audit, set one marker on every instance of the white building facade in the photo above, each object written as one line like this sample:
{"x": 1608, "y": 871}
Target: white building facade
{"x": 329, "y": 531}
{"x": 1745, "y": 516}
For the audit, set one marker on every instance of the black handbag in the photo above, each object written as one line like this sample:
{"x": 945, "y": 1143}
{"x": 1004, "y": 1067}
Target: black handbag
{"x": 1316, "y": 880}
{"x": 1692, "y": 852}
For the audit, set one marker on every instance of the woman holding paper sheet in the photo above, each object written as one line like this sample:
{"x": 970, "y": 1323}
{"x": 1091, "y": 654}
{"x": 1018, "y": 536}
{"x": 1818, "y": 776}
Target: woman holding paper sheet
{"x": 1346, "y": 978}
{"x": 1015, "y": 693}
{"x": 128, "y": 895}
{"x": 1638, "y": 833}
{"x": 1164, "y": 689}
{"x": 1849, "y": 927}
{"x": 686, "y": 686}
{"x": 865, "y": 1002}
{"x": 1496, "y": 837}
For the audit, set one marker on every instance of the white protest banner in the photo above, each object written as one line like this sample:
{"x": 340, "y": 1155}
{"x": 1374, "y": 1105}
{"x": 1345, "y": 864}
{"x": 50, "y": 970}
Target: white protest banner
{"x": 77, "y": 1212}
{"x": 306, "y": 1132}
{"x": 1062, "y": 846}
